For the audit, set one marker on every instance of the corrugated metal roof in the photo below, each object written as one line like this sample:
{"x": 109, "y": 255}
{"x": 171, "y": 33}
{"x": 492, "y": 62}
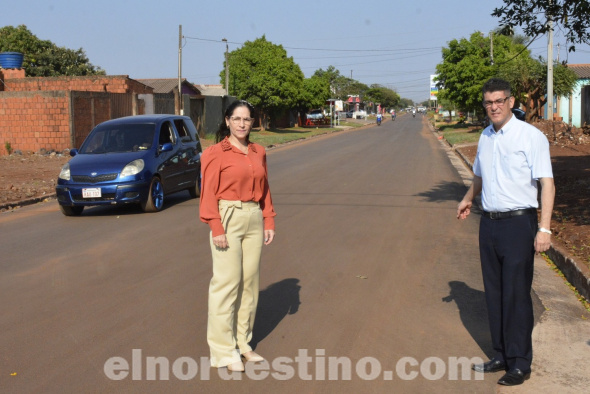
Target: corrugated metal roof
{"x": 161, "y": 85}
{"x": 581, "y": 70}
{"x": 211, "y": 90}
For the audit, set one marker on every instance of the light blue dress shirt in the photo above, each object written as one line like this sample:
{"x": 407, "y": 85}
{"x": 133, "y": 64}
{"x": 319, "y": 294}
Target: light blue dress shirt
{"x": 510, "y": 162}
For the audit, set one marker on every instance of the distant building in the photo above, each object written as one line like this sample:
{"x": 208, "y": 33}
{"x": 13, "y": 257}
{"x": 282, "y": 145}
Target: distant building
{"x": 575, "y": 109}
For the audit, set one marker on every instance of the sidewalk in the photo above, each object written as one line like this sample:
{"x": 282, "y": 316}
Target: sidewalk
{"x": 561, "y": 337}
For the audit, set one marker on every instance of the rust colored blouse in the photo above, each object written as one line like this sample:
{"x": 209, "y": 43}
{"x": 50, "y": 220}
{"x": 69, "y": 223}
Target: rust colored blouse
{"x": 229, "y": 174}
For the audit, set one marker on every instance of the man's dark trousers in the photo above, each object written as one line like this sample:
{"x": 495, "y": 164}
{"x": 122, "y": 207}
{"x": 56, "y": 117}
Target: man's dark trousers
{"x": 507, "y": 255}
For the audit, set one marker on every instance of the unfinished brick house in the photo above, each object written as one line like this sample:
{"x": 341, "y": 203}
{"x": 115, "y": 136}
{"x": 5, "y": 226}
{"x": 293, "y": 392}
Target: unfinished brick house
{"x": 57, "y": 113}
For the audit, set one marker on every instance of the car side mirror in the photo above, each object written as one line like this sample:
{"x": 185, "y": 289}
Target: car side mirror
{"x": 73, "y": 152}
{"x": 167, "y": 147}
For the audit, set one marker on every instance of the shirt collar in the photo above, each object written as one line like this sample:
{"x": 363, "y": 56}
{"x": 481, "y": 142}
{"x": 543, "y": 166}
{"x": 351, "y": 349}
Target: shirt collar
{"x": 504, "y": 128}
{"x": 226, "y": 145}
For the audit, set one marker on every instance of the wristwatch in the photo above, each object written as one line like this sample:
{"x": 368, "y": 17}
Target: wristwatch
{"x": 544, "y": 230}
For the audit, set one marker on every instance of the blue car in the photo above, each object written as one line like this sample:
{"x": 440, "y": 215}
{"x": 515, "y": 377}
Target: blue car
{"x": 132, "y": 160}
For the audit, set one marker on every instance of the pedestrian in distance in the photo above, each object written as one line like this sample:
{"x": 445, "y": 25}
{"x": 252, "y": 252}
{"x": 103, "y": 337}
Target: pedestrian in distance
{"x": 236, "y": 204}
{"x": 512, "y": 159}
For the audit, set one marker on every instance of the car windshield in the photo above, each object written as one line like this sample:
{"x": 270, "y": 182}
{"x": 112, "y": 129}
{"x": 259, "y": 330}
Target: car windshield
{"x": 118, "y": 139}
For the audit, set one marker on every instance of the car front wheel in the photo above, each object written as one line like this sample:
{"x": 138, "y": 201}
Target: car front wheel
{"x": 71, "y": 211}
{"x": 155, "y": 199}
{"x": 195, "y": 191}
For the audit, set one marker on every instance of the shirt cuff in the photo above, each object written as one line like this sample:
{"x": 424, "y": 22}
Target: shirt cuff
{"x": 269, "y": 223}
{"x": 216, "y": 227}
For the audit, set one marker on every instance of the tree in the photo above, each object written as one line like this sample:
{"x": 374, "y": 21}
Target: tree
{"x": 315, "y": 93}
{"x": 528, "y": 80}
{"x": 570, "y": 16}
{"x": 42, "y": 58}
{"x": 406, "y": 102}
{"x": 339, "y": 84}
{"x": 262, "y": 73}
{"x": 386, "y": 97}
{"x": 465, "y": 67}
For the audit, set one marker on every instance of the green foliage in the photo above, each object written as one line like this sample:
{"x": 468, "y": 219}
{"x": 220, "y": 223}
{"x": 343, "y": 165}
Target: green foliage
{"x": 382, "y": 95}
{"x": 261, "y": 73}
{"x": 528, "y": 79}
{"x": 315, "y": 92}
{"x": 467, "y": 66}
{"x": 339, "y": 84}
{"x": 8, "y": 147}
{"x": 405, "y": 103}
{"x": 569, "y": 16}
{"x": 42, "y": 58}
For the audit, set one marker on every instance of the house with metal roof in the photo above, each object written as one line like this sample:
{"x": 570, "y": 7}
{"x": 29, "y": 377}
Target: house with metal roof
{"x": 575, "y": 109}
{"x": 204, "y": 104}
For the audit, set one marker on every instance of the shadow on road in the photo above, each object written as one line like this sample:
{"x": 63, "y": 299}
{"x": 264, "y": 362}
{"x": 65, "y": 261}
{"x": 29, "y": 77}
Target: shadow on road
{"x": 444, "y": 191}
{"x": 274, "y": 303}
{"x": 473, "y": 313}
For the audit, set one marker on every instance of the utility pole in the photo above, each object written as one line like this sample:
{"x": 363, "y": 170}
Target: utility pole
{"x": 226, "y": 67}
{"x": 180, "y": 109}
{"x": 550, "y": 68}
{"x": 492, "y": 47}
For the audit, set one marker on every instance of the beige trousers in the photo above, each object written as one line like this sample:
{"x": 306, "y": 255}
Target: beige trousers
{"x": 233, "y": 291}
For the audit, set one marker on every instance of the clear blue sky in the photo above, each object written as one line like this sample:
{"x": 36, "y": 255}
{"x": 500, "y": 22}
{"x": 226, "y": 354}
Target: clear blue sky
{"x": 396, "y": 45}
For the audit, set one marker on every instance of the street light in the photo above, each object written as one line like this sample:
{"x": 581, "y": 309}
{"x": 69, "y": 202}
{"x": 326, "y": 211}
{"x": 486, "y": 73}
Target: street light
{"x": 226, "y": 67}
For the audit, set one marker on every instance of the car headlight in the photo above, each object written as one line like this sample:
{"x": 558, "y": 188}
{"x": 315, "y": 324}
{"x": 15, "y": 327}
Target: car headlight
{"x": 135, "y": 167}
{"x": 65, "y": 172}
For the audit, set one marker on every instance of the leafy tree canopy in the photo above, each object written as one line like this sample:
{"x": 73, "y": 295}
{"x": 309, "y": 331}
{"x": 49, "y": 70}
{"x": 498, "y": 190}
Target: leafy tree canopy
{"x": 340, "y": 85}
{"x": 262, "y": 73}
{"x": 467, "y": 65}
{"x": 315, "y": 93}
{"x": 406, "y": 102}
{"x": 386, "y": 97}
{"x": 570, "y": 16}
{"x": 42, "y": 58}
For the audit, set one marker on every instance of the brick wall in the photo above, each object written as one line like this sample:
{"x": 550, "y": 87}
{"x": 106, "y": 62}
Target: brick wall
{"x": 32, "y": 121}
{"x": 57, "y": 113}
{"x": 94, "y": 83}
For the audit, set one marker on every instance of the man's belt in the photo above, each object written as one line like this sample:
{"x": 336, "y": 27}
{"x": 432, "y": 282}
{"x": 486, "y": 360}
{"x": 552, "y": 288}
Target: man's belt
{"x": 509, "y": 214}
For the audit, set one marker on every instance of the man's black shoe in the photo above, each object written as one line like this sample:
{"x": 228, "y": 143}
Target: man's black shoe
{"x": 514, "y": 377}
{"x": 491, "y": 366}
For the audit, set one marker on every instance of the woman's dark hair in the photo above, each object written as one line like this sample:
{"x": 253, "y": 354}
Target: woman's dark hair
{"x": 223, "y": 130}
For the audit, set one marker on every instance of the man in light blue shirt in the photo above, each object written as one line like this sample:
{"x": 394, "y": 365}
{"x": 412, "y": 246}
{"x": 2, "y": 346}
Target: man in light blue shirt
{"x": 512, "y": 159}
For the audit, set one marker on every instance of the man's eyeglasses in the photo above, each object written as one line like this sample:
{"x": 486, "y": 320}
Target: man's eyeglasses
{"x": 499, "y": 102}
{"x": 238, "y": 120}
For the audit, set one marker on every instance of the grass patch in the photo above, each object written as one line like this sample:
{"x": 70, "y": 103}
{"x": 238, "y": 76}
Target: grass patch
{"x": 277, "y": 136}
{"x": 456, "y": 133}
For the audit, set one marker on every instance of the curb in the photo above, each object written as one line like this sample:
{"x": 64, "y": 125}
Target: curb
{"x": 6, "y": 207}
{"x": 575, "y": 273}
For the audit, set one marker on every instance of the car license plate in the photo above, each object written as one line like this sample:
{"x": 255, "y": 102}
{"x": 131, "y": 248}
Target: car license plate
{"x": 91, "y": 192}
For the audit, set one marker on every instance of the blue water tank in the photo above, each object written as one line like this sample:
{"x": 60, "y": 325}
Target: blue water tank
{"x": 11, "y": 59}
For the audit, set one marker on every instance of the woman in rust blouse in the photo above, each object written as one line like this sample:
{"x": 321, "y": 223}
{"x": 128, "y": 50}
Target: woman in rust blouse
{"x": 236, "y": 203}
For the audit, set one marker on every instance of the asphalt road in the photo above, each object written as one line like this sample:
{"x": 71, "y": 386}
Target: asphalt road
{"x": 372, "y": 284}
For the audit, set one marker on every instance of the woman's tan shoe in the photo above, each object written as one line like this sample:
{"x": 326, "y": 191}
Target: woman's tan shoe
{"x": 253, "y": 357}
{"x": 236, "y": 367}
